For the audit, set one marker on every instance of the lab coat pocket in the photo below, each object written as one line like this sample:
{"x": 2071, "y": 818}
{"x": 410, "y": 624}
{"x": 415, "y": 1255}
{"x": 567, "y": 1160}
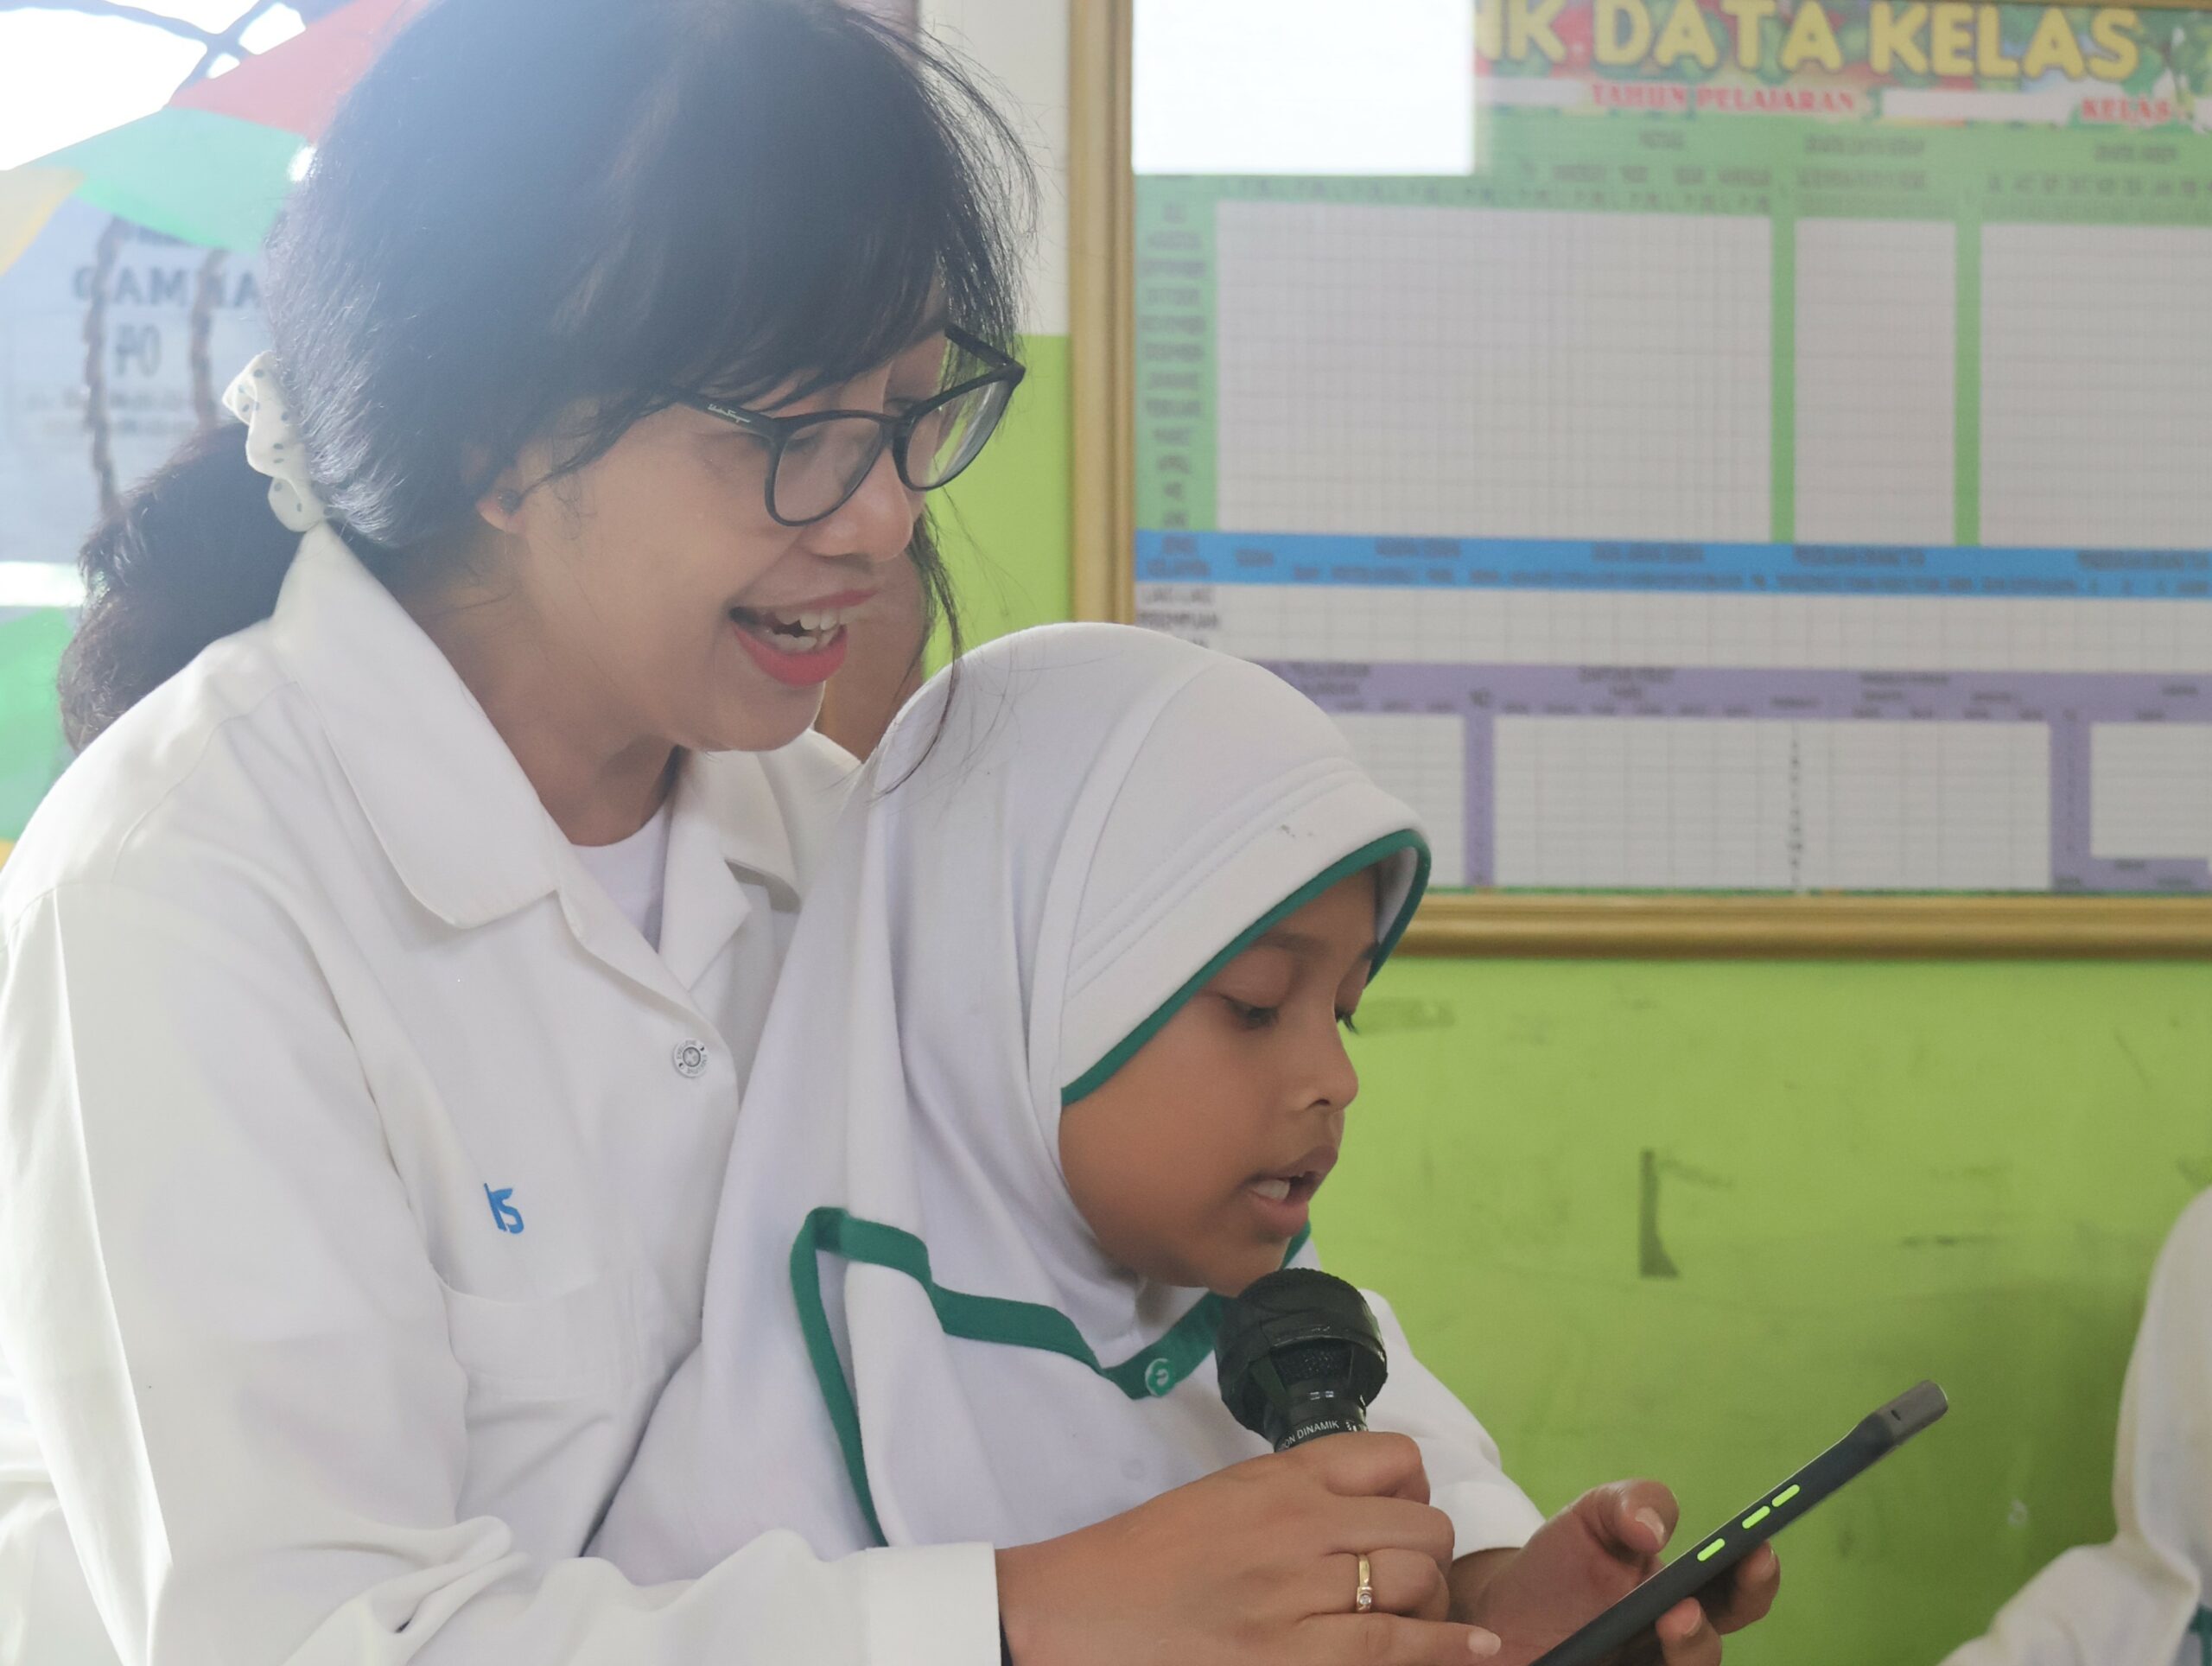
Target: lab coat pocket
{"x": 580, "y": 1342}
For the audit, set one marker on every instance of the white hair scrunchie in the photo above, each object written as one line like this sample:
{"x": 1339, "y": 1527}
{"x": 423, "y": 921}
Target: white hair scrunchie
{"x": 273, "y": 445}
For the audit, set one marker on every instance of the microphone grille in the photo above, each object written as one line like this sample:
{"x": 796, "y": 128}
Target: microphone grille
{"x": 1295, "y": 1342}
{"x": 1304, "y": 1361}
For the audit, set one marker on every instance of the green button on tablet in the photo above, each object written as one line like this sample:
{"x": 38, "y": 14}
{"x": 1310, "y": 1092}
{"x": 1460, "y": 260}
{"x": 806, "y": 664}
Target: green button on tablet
{"x": 1758, "y": 1516}
{"x": 1713, "y": 1551}
{"x": 1786, "y": 1494}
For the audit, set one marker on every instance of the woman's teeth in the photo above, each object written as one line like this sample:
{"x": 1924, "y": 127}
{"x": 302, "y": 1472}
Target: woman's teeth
{"x": 804, "y": 631}
{"x": 1275, "y": 1187}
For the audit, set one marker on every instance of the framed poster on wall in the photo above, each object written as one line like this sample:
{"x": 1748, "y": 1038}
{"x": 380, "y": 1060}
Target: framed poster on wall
{"x": 1748, "y": 499}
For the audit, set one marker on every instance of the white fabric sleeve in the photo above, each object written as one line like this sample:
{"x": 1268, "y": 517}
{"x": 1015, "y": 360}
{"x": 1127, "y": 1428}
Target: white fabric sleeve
{"x": 1465, "y": 1478}
{"x": 2132, "y": 1602}
{"x": 232, "y": 1346}
{"x": 47, "y": 1616}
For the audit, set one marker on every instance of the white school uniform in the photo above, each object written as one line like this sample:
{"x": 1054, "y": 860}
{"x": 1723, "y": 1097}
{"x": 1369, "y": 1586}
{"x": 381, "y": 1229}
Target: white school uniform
{"x": 357, "y": 1160}
{"x": 912, "y": 1336}
{"x": 2141, "y": 1599}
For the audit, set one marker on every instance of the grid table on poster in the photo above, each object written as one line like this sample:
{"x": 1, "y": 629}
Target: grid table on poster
{"x": 1747, "y": 539}
{"x": 2096, "y": 383}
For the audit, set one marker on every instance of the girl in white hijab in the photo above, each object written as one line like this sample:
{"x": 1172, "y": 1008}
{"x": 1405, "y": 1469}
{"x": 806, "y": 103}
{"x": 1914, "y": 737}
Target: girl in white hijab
{"x": 1035, "y": 878}
{"x": 1054, "y": 1062}
{"x": 2141, "y": 1599}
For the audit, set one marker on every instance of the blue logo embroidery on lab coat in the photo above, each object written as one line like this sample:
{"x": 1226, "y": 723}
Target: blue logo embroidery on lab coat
{"x": 504, "y": 1215}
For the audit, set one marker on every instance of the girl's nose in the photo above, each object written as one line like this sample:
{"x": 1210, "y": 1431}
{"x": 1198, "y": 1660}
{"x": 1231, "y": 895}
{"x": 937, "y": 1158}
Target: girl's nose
{"x": 1336, "y": 1082}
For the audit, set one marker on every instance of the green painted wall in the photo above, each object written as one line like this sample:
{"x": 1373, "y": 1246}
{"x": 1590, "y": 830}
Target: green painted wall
{"x": 1863, "y": 1175}
{"x": 1860, "y": 1175}
{"x": 1004, "y": 526}
{"x": 31, "y": 750}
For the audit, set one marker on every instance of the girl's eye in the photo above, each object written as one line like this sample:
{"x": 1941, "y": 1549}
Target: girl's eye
{"x": 1250, "y": 1017}
{"x": 1345, "y": 1019}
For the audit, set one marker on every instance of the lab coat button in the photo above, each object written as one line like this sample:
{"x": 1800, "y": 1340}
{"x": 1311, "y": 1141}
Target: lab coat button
{"x": 690, "y": 1057}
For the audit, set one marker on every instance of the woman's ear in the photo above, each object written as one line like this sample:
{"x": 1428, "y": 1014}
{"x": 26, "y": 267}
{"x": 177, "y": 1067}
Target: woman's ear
{"x": 501, "y": 507}
{"x": 501, "y": 501}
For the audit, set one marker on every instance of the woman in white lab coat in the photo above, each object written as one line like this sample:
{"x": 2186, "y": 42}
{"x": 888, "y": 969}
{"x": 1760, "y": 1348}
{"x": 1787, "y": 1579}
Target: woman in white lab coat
{"x": 2144, "y": 1598}
{"x": 376, "y": 990}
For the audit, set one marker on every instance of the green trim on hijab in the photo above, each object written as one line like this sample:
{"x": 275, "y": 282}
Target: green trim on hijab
{"x": 1368, "y": 856}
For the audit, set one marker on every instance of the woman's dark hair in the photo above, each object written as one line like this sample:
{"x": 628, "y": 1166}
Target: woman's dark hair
{"x": 530, "y": 205}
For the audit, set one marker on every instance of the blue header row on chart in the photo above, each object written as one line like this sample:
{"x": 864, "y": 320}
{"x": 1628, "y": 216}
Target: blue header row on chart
{"x": 1721, "y": 568}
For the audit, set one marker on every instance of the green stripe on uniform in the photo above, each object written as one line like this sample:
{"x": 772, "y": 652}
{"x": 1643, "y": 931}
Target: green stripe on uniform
{"x": 1145, "y": 1375}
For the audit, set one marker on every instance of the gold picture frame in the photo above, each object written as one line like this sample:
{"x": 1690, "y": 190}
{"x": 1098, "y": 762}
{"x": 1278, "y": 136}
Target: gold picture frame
{"x": 1101, "y": 200}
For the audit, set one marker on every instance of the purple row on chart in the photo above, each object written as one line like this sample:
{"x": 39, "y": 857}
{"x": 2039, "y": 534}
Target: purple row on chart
{"x": 1572, "y": 777}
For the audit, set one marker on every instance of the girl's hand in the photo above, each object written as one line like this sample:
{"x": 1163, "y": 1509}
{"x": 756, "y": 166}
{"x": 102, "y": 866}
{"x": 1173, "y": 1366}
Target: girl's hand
{"x": 1588, "y": 1557}
{"x": 1255, "y": 1566}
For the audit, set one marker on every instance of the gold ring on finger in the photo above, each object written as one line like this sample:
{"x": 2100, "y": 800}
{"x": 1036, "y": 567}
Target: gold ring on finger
{"x": 1362, "y": 1599}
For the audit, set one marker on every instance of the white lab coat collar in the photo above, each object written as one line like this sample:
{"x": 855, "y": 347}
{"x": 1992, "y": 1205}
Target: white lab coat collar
{"x": 459, "y": 820}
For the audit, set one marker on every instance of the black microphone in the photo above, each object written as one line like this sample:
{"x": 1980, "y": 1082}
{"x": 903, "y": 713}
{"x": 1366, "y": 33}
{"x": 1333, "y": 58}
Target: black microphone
{"x": 1299, "y": 1355}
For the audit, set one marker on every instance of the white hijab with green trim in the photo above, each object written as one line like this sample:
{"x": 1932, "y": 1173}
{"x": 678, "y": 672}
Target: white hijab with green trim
{"x": 910, "y": 1336}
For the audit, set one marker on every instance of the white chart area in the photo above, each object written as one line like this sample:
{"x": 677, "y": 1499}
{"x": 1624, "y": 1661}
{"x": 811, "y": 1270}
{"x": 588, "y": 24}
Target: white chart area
{"x": 1508, "y": 378}
{"x": 1421, "y": 758}
{"x": 1571, "y": 627}
{"x": 2096, "y": 386}
{"x": 1392, "y": 370}
{"x": 1877, "y": 357}
{"x": 2152, "y": 795}
{"x": 1757, "y": 804}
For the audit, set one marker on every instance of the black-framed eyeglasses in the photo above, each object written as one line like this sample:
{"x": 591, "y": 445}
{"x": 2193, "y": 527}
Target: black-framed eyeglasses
{"x": 815, "y": 462}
